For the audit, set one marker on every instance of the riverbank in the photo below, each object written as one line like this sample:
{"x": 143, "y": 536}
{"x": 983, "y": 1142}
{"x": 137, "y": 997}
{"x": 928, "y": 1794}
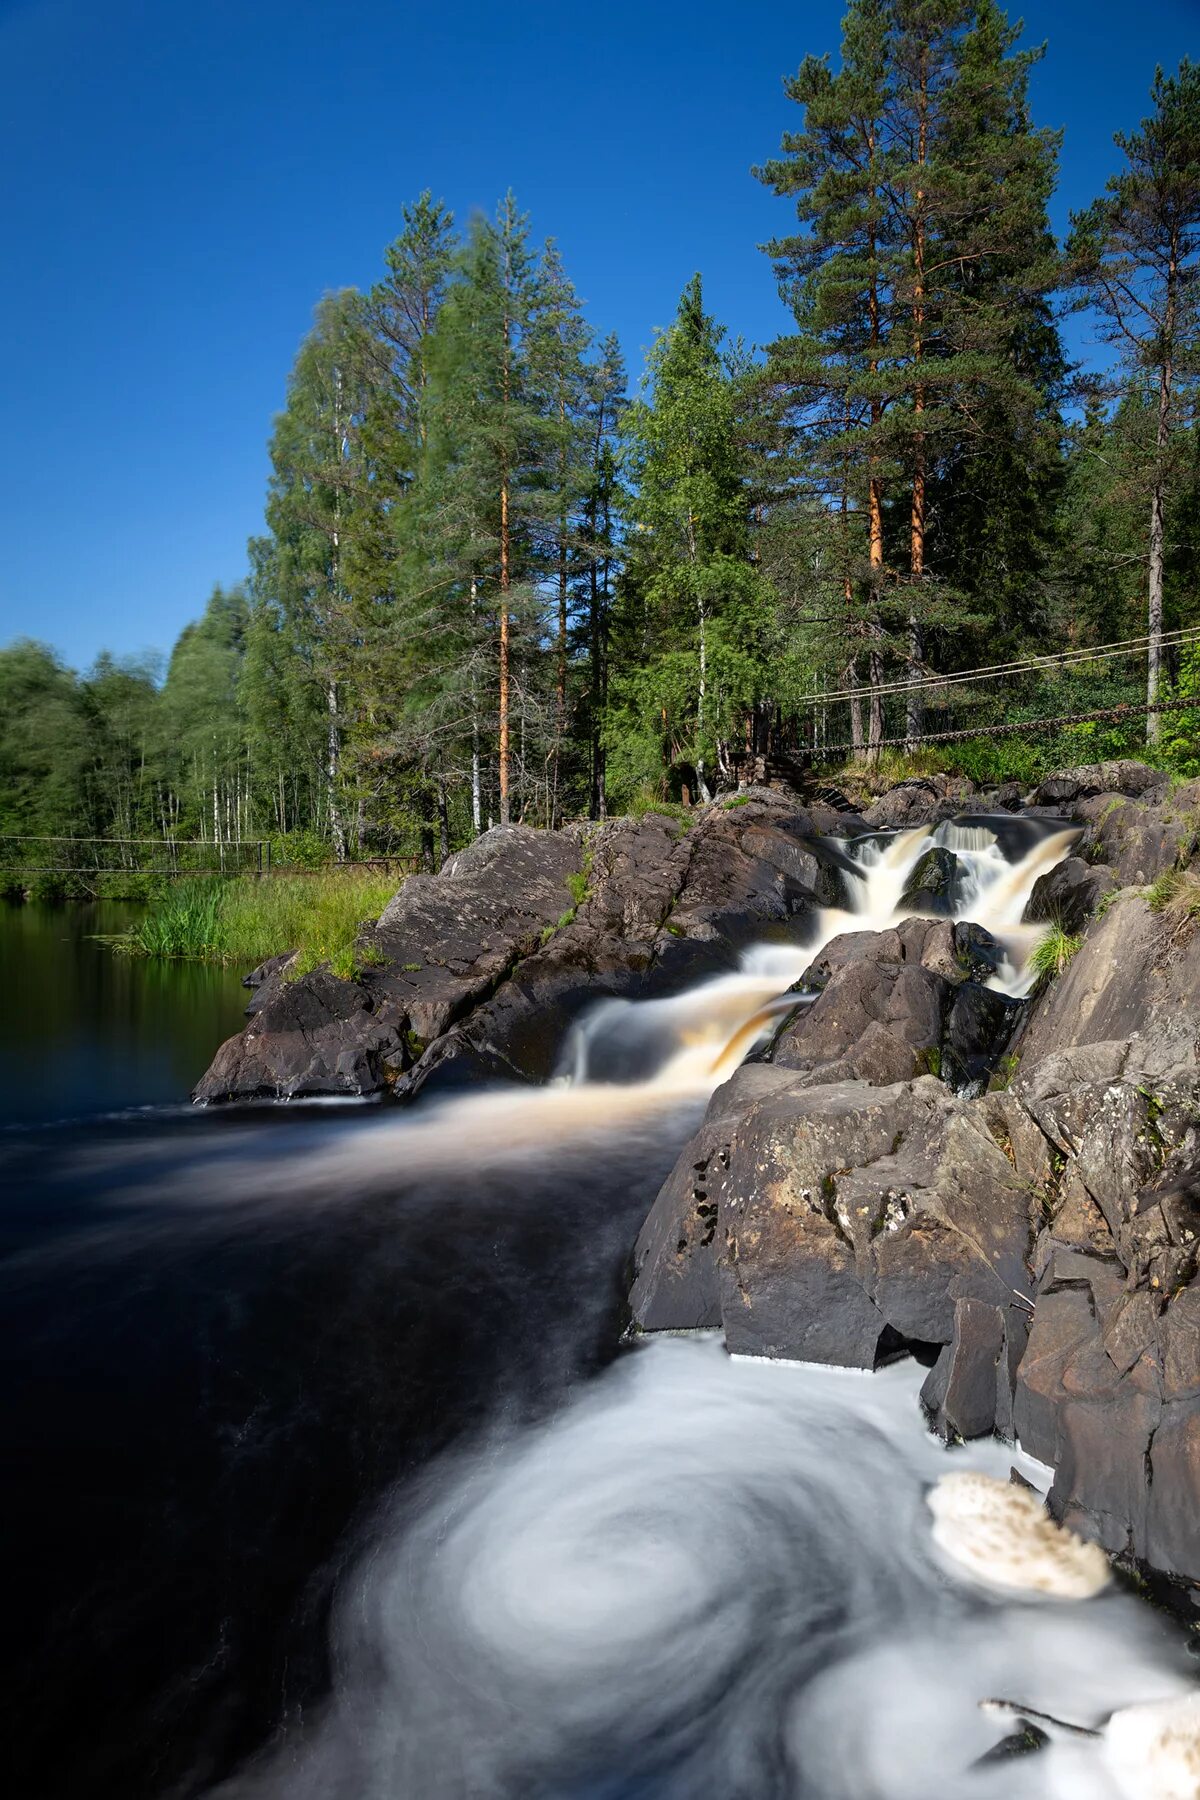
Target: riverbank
{"x": 315, "y": 918}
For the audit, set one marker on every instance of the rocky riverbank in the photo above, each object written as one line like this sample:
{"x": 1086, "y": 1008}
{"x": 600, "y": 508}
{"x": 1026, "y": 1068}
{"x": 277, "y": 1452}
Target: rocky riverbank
{"x": 913, "y": 1159}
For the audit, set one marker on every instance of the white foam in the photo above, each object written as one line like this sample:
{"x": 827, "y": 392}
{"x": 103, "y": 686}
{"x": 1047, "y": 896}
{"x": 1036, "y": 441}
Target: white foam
{"x": 1153, "y": 1750}
{"x": 1003, "y": 1536}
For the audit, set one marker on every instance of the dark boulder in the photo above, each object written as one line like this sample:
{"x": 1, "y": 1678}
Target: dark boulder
{"x": 848, "y": 1219}
{"x": 969, "y": 1391}
{"x": 924, "y": 800}
{"x": 933, "y": 884}
{"x": 1139, "y": 839}
{"x": 313, "y": 1036}
{"x": 891, "y": 1005}
{"x": 977, "y": 1029}
{"x": 1123, "y": 776}
{"x": 977, "y": 952}
{"x": 443, "y": 943}
{"x": 1069, "y": 894}
{"x": 1134, "y": 982}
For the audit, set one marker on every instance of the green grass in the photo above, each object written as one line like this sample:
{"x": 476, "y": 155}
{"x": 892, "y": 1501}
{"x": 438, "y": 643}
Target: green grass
{"x": 1176, "y": 891}
{"x": 248, "y": 918}
{"x": 1052, "y": 953}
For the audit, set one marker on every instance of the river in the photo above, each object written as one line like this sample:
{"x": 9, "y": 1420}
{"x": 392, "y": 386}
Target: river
{"x": 327, "y": 1480}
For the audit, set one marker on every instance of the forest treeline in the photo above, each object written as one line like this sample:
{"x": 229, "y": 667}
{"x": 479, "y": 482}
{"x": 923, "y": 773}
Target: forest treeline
{"x": 494, "y": 585}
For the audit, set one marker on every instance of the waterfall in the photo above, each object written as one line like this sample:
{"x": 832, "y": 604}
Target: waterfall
{"x": 694, "y": 1040}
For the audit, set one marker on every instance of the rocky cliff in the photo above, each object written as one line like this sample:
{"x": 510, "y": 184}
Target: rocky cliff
{"x": 1038, "y": 1241}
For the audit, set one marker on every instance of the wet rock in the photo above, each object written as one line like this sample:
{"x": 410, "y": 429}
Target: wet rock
{"x": 978, "y": 953}
{"x": 1024, "y": 1741}
{"x": 1138, "y": 840}
{"x": 444, "y": 941}
{"x": 920, "y": 801}
{"x": 1134, "y": 981}
{"x": 908, "y": 803}
{"x": 315, "y": 1036}
{"x": 933, "y": 885}
{"x": 1069, "y": 894}
{"x": 1007, "y": 797}
{"x": 968, "y": 1392}
{"x": 892, "y": 1005}
{"x": 978, "y": 1026}
{"x": 267, "y": 981}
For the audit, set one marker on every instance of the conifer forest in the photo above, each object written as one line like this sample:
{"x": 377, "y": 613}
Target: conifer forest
{"x": 501, "y": 577}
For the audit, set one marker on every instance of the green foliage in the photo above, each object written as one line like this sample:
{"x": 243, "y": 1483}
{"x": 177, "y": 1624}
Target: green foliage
{"x": 247, "y": 919}
{"x": 300, "y": 849}
{"x": 1052, "y": 953}
{"x": 186, "y": 923}
{"x": 693, "y": 625}
{"x": 1176, "y": 891}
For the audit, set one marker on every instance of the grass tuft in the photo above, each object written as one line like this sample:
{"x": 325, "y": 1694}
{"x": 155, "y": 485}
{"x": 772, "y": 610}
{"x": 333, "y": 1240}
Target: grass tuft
{"x": 247, "y": 919}
{"x": 1052, "y": 953}
{"x": 1176, "y": 891}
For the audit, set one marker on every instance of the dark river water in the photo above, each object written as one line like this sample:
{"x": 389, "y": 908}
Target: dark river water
{"x": 325, "y": 1477}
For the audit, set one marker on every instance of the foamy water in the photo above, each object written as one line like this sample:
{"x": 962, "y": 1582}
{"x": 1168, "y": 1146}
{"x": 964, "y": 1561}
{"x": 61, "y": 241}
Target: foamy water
{"x": 709, "y": 1577}
{"x": 696, "y": 1039}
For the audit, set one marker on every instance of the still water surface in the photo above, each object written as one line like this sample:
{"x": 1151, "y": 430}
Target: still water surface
{"x": 83, "y": 1031}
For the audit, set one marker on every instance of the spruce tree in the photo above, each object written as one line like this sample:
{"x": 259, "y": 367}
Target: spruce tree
{"x": 318, "y": 481}
{"x": 693, "y": 606}
{"x": 1136, "y": 253}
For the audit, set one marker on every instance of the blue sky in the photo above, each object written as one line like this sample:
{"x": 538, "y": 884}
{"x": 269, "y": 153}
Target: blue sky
{"x": 183, "y": 180}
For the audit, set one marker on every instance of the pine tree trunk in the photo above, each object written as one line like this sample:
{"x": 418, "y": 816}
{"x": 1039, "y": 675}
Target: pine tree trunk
{"x": 1154, "y": 613}
{"x": 476, "y": 789}
{"x": 912, "y": 709}
{"x": 701, "y": 784}
{"x": 856, "y": 716}
{"x": 560, "y": 673}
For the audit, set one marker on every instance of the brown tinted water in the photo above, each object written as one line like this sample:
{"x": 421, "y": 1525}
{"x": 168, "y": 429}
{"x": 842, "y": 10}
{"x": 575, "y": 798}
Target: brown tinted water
{"x": 85, "y": 1031}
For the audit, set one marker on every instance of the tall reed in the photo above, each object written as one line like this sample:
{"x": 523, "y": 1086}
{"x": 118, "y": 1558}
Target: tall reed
{"x": 248, "y": 918}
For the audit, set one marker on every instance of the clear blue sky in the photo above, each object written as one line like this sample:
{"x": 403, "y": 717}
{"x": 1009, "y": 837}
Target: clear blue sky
{"x": 183, "y": 178}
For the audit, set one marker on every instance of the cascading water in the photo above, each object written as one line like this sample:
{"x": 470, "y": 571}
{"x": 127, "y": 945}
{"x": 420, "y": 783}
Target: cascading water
{"x": 382, "y": 1416}
{"x": 696, "y": 1039}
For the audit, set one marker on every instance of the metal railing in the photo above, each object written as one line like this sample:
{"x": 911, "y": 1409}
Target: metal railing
{"x": 1104, "y": 684}
{"x": 34, "y": 855}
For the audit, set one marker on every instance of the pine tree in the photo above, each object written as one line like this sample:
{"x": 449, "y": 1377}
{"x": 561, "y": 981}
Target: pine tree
{"x": 559, "y": 341}
{"x": 829, "y": 378}
{"x": 488, "y": 451}
{"x": 1137, "y": 256}
{"x": 603, "y": 501}
{"x": 919, "y": 286}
